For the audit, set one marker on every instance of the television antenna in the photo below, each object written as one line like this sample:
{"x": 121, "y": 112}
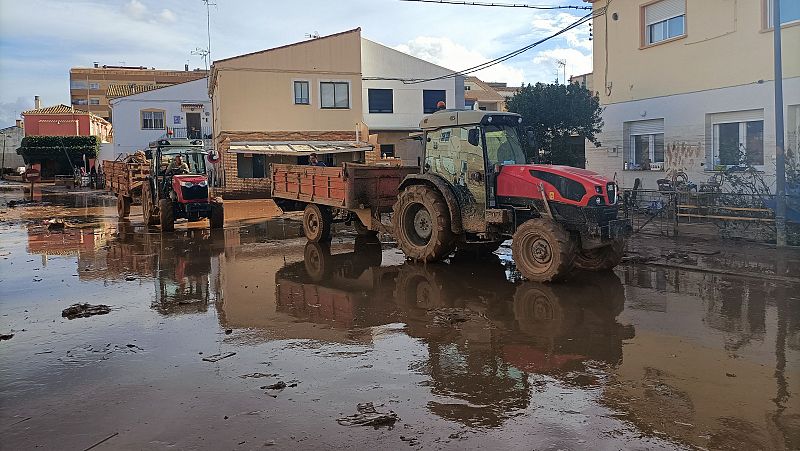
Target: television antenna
{"x": 563, "y": 64}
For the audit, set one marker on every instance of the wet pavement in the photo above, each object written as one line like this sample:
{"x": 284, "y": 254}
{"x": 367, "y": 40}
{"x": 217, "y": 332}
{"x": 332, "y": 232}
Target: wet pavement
{"x": 251, "y": 337}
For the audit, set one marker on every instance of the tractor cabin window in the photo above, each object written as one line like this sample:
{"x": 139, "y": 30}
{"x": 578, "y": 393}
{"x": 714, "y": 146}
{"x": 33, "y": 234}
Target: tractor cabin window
{"x": 334, "y": 95}
{"x": 664, "y": 20}
{"x": 152, "y": 120}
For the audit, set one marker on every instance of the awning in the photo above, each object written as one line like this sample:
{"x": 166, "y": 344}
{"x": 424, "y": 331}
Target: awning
{"x": 299, "y": 148}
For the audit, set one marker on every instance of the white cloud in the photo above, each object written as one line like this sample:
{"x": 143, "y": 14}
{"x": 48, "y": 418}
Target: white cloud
{"x": 446, "y": 53}
{"x": 547, "y": 24}
{"x": 135, "y": 9}
{"x": 167, "y": 16}
{"x": 577, "y": 62}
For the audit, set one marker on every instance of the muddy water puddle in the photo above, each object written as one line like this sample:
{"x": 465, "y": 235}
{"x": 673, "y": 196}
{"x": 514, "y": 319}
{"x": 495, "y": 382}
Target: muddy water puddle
{"x": 251, "y": 337}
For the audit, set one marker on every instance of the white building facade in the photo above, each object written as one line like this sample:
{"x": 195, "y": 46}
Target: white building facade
{"x": 181, "y": 111}
{"x": 12, "y": 139}
{"x": 395, "y": 100}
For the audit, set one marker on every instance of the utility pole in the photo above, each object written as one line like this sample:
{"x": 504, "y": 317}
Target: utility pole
{"x": 780, "y": 158}
{"x": 208, "y": 24}
{"x": 3, "y": 164}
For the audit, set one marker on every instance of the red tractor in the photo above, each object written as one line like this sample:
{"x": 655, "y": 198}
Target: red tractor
{"x": 476, "y": 190}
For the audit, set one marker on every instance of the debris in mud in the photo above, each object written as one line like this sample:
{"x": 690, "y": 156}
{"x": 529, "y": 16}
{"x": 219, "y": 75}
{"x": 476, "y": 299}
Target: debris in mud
{"x": 681, "y": 257}
{"x": 84, "y": 310}
{"x": 730, "y": 374}
{"x": 368, "y": 416}
{"x": 130, "y": 278}
{"x": 256, "y": 375}
{"x": 55, "y": 225}
{"x": 26, "y": 203}
{"x": 450, "y": 316}
{"x": 412, "y": 441}
{"x": 218, "y": 357}
{"x": 280, "y": 385}
{"x": 6, "y": 336}
{"x": 636, "y": 258}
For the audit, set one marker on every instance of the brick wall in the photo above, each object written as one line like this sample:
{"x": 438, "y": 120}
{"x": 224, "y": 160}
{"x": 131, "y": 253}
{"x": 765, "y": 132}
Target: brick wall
{"x": 234, "y": 187}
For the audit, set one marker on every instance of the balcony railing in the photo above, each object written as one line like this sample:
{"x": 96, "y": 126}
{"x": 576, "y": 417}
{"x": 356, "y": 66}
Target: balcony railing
{"x": 189, "y": 133}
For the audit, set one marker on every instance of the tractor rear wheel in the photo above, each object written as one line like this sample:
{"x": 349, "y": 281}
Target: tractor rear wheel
{"x": 422, "y": 224}
{"x": 123, "y": 206}
{"x": 148, "y": 209}
{"x": 166, "y": 215}
{"x": 317, "y": 221}
{"x": 217, "y": 218}
{"x": 602, "y": 258}
{"x": 543, "y": 250}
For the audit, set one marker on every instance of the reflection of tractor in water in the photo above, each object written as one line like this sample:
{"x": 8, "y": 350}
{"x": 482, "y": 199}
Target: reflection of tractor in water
{"x": 179, "y": 265}
{"x": 483, "y": 333}
{"x": 475, "y": 189}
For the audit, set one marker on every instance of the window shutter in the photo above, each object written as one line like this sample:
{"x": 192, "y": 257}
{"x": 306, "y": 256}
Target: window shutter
{"x": 664, "y": 10}
{"x": 649, "y": 127}
{"x": 738, "y": 116}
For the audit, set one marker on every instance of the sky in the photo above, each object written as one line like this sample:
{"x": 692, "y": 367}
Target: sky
{"x": 40, "y": 40}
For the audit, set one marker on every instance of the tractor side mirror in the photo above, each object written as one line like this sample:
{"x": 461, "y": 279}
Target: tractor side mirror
{"x": 473, "y": 137}
{"x": 149, "y": 154}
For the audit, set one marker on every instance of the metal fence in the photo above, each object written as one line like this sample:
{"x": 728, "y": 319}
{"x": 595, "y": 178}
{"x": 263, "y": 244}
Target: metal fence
{"x": 727, "y": 215}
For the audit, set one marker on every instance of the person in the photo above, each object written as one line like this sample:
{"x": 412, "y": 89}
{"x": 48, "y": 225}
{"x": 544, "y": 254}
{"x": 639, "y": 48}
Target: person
{"x": 440, "y": 105}
{"x": 177, "y": 166}
{"x": 314, "y": 161}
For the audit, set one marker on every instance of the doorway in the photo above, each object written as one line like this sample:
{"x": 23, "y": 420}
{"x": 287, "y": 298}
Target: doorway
{"x": 193, "y": 128}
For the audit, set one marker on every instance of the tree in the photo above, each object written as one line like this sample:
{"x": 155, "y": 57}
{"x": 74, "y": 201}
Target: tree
{"x": 560, "y": 117}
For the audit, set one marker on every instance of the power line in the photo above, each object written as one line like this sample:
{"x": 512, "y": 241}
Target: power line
{"x": 500, "y": 59}
{"x": 501, "y": 5}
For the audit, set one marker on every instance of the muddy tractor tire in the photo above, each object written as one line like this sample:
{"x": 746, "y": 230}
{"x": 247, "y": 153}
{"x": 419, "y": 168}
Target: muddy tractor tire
{"x": 600, "y": 259}
{"x": 148, "y": 209}
{"x": 217, "y": 218}
{"x": 543, "y": 250}
{"x": 123, "y": 206}
{"x": 166, "y": 215}
{"x": 317, "y": 223}
{"x": 421, "y": 223}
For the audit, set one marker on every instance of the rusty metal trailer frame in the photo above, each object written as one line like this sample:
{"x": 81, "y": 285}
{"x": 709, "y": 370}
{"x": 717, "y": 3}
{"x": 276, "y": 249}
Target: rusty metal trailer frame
{"x": 366, "y": 191}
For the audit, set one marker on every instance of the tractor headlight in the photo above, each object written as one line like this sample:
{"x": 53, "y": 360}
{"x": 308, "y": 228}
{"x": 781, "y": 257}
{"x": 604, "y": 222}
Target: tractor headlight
{"x": 202, "y": 183}
{"x": 187, "y": 184}
{"x": 598, "y": 189}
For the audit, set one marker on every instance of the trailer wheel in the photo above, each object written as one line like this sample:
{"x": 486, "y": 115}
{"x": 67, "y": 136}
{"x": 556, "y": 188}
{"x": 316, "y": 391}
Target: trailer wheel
{"x": 123, "y": 206}
{"x": 602, "y": 258}
{"x": 543, "y": 250}
{"x": 166, "y": 215}
{"x": 148, "y": 210}
{"x": 317, "y": 223}
{"x": 422, "y": 224}
{"x": 217, "y": 219}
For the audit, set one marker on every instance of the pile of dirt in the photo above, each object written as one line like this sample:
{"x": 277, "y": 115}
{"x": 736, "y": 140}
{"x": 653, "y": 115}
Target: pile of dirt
{"x": 84, "y": 310}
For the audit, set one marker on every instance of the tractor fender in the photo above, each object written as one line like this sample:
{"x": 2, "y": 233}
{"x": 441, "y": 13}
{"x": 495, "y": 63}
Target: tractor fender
{"x": 439, "y": 184}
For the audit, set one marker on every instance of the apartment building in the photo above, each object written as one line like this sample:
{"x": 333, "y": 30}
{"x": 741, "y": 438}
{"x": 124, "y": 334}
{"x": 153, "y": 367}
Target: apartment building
{"x": 341, "y": 96}
{"x": 479, "y": 95}
{"x": 181, "y": 111}
{"x": 91, "y": 88}
{"x": 687, "y": 85}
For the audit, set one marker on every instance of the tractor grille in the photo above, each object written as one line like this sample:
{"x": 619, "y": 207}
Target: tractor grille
{"x": 195, "y": 192}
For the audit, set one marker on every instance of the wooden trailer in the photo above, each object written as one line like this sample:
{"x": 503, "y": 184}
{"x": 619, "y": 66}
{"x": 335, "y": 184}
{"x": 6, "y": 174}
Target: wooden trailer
{"x": 353, "y": 193}
{"x": 125, "y": 178}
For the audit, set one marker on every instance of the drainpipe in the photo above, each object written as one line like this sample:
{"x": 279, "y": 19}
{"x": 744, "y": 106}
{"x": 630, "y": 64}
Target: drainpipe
{"x": 780, "y": 161}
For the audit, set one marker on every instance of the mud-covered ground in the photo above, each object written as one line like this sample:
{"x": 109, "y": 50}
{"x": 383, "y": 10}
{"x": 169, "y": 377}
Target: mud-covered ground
{"x": 687, "y": 345}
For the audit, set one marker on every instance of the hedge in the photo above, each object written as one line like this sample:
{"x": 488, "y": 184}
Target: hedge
{"x": 54, "y": 147}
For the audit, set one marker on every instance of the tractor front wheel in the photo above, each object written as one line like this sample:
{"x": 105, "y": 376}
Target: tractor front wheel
{"x": 543, "y": 250}
{"x": 166, "y": 215}
{"x": 422, "y": 224}
{"x": 148, "y": 209}
{"x": 317, "y": 223}
{"x": 601, "y": 258}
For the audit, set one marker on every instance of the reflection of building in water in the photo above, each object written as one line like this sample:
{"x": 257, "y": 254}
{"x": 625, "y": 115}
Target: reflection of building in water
{"x": 715, "y": 361}
{"x": 484, "y": 334}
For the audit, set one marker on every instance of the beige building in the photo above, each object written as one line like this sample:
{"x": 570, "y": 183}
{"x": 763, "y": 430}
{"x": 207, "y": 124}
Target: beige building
{"x": 91, "y": 88}
{"x": 341, "y": 96}
{"x": 585, "y": 80}
{"x": 480, "y": 95}
{"x": 687, "y": 85}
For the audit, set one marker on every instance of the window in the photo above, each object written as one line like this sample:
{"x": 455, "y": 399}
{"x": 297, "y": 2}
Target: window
{"x": 152, "y": 120}
{"x": 430, "y": 97}
{"x": 334, "y": 94}
{"x": 94, "y": 101}
{"x": 301, "y": 93}
{"x": 790, "y": 12}
{"x": 644, "y": 145}
{"x": 664, "y": 20}
{"x": 380, "y": 100}
{"x": 387, "y": 150}
{"x": 78, "y": 84}
{"x": 467, "y": 87}
{"x": 94, "y": 85}
{"x": 251, "y": 166}
{"x": 469, "y": 104}
{"x": 79, "y": 101}
{"x": 738, "y": 143}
